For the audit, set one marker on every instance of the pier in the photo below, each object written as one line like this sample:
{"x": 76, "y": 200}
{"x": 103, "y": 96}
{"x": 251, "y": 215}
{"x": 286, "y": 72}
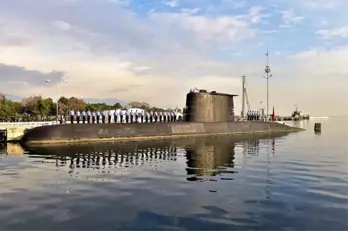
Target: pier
{"x": 14, "y": 131}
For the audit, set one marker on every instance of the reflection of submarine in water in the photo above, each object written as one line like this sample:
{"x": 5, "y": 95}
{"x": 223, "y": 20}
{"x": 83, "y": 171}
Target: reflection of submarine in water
{"x": 205, "y": 157}
{"x": 210, "y": 157}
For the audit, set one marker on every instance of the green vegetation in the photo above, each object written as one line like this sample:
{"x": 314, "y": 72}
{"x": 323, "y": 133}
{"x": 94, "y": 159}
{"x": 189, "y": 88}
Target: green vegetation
{"x": 37, "y": 108}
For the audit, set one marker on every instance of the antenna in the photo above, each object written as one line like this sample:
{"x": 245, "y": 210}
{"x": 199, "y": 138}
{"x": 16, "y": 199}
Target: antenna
{"x": 243, "y": 95}
{"x": 267, "y": 77}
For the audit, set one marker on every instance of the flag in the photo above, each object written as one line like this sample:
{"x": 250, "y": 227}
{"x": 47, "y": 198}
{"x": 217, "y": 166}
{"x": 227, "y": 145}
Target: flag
{"x": 273, "y": 114}
{"x": 267, "y": 54}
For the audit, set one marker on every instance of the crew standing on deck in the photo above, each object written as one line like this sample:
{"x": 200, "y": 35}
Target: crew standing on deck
{"x": 116, "y": 113}
{"x": 122, "y": 116}
{"x": 151, "y": 116}
{"x": 72, "y": 113}
{"x": 147, "y": 117}
{"x": 93, "y": 117}
{"x": 98, "y": 117}
{"x": 78, "y": 116}
{"x": 89, "y": 115}
{"x": 102, "y": 115}
{"x": 118, "y": 116}
{"x": 83, "y": 117}
{"x": 166, "y": 116}
{"x": 133, "y": 117}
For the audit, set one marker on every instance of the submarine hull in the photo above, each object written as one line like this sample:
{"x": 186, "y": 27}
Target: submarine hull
{"x": 69, "y": 133}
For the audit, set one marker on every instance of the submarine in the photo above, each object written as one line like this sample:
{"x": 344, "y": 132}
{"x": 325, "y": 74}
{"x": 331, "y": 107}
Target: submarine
{"x": 206, "y": 114}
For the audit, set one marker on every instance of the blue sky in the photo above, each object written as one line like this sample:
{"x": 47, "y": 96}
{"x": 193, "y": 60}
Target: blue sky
{"x": 157, "y": 50}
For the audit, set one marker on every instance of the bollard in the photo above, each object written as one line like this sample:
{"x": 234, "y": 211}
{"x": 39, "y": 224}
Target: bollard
{"x": 317, "y": 127}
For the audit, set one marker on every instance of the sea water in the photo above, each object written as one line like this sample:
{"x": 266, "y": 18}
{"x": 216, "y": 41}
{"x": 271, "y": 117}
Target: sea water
{"x": 297, "y": 181}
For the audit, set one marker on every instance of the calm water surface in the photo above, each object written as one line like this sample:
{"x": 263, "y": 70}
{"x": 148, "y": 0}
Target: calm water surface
{"x": 293, "y": 182}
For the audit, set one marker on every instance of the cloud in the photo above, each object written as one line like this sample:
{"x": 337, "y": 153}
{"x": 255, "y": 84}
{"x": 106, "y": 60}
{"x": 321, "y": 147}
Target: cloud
{"x": 290, "y": 17}
{"x": 61, "y": 25}
{"x": 123, "y": 3}
{"x": 320, "y": 4}
{"x": 133, "y": 54}
{"x": 222, "y": 29}
{"x": 190, "y": 11}
{"x": 12, "y": 73}
{"x": 335, "y": 32}
{"x": 172, "y": 3}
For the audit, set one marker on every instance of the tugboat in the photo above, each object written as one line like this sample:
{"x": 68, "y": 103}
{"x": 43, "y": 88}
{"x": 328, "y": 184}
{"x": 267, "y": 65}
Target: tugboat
{"x": 296, "y": 115}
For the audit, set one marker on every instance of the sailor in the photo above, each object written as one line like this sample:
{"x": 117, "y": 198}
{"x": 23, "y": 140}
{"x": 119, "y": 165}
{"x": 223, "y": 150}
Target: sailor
{"x": 83, "y": 117}
{"x": 130, "y": 116}
{"x": 72, "y": 113}
{"x": 110, "y": 115}
{"x": 78, "y": 116}
{"x": 174, "y": 116}
{"x": 151, "y": 116}
{"x": 127, "y": 116}
{"x": 122, "y": 115}
{"x": 147, "y": 117}
{"x": 89, "y": 114}
{"x": 248, "y": 115}
{"x": 116, "y": 115}
{"x": 143, "y": 116}
{"x": 160, "y": 116}
{"x": 103, "y": 116}
{"x": 166, "y": 116}
{"x": 93, "y": 117}
{"x": 169, "y": 116}
{"x": 133, "y": 120}
{"x": 97, "y": 116}
{"x": 154, "y": 119}
{"x": 137, "y": 116}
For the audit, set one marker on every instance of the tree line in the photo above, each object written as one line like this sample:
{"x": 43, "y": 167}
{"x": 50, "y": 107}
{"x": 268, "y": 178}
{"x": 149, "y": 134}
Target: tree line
{"x": 38, "y": 108}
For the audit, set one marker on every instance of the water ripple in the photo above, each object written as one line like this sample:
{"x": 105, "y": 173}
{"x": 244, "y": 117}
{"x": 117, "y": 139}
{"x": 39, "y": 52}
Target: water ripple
{"x": 294, "y": 182}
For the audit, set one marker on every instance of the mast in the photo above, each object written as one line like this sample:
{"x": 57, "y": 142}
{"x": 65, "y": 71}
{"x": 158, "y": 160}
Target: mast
{"x": 243, "y": 95}
{"x": 268, "y": 76}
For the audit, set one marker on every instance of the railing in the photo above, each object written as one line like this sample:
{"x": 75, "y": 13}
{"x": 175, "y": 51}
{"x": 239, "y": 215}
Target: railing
{"x": 26, "y": 124}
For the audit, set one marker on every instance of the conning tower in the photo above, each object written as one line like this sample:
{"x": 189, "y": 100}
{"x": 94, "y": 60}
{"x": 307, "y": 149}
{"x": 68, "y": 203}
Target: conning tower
{"x": 204, "y": 106}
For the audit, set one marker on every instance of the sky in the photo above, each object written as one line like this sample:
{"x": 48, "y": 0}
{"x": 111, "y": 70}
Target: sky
{"x": 155, "y": 51}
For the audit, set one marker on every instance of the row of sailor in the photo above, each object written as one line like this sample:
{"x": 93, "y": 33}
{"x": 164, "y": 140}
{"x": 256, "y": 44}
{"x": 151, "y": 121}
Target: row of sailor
{"x": 123, "y": 116}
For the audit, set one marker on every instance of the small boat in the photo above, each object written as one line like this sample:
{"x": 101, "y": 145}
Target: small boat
{"x": 296, "y": 115}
